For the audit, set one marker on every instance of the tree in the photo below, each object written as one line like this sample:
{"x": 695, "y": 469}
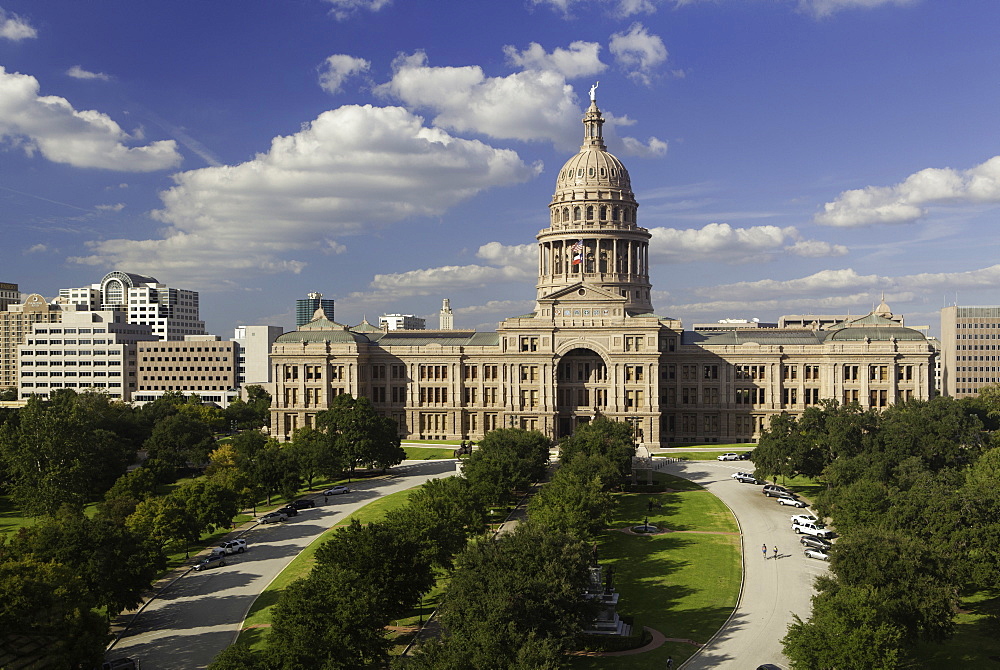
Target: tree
{"x": 524, "y": 586}
{"x": 612, "y": 440}
{"x": 47, "y": 603}
{"x": 330, "y": 620}
{"x": 440, "y": 516}
{"x": 315, "y": 454}
{"x": 572, "y": 505}
{"x": 166, "y": 520}
{"x": 507, "y": 460}
{"x": 360, "y": 434}
{"x": 213, "y": 504}
{"x": 252, "y": 414}
{"x": 177, "y": 440}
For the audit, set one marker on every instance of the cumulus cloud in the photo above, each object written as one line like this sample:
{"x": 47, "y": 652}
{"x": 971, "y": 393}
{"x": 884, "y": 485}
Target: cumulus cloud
{"x": 581, "y": 59}
{"x": 528, "y": 105}
{"x": 723, "y": 243}
{"x": 14, "y": 28}
{"x": 623, "y": 8}
{"x": 823, "y": 8}
{"x": 824, "y": 282}
{"x": 653, "y": 148}
{"x": 521, "y": 256}
{"x": 907, "y": 201}
{"x": 434, "y": 280}
{"x": 638, "y": 52}
{"x": 345, "y": 9}
{"x": 78, "y": 72}
{"x": 50, "y": 126}
{"x": 337, "y": 69}
{"x": 351, "y": 169}
{"x": 36, "y": 249}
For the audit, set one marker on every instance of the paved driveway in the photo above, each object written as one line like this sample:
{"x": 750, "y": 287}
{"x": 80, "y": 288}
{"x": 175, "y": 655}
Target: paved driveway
{"x": 200, "y": 615}
{"x": 773, "y": 588}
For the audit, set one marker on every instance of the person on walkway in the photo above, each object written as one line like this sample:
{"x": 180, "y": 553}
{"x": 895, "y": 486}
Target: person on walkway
{"x": 776, "y": 552}
{"x": 670, "y": 662}
{"x": 763, "y": 548}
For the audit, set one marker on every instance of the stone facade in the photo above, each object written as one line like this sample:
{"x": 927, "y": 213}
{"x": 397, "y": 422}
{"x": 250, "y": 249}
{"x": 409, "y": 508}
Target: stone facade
{"x": 594, "y": 346}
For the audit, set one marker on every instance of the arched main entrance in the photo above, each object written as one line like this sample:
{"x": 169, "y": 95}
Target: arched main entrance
{"x": 581, "y": 389}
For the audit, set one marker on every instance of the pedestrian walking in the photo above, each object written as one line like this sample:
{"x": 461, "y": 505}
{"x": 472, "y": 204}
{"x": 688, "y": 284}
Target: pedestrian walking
{"x": 763, "y": 548}
{"x": 775, "y": 552}
{"x": 670, "y": 662}
{"x": 324, "y": 500}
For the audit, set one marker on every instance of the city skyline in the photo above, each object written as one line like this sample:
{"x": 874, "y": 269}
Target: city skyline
{"x": 800, "y": 156}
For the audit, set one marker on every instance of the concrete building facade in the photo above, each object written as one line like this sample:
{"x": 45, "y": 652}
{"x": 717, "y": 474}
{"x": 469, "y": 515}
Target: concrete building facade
{"x": 15, "y": 325}
{"x": 254, "y": 353}
{"x": 201, "y": 365}
{"x": 592, "y": 345}
{"x": 970, "y": 349}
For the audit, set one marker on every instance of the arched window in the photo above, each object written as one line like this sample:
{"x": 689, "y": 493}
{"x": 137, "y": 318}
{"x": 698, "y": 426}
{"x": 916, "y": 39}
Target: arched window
{"x": 614, "y": 172}
{"x": 604, "y": 172}
{"x": 576, "y": 213}
{"x": 614, "y": 213}
{"x": 604, "y": 211}
{"x": 590, "y": 212}
{"x": 565, "y": 213}
{"x": 579, "y": 172}
{"x": 590, "y": 172}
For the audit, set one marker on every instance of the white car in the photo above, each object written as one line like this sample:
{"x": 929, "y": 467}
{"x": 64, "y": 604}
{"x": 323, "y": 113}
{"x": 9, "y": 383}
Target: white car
{"x": 231, "y": 547}
{"x": 728, "y": 457}
{"x": 791, "y": 501}
{"x": 817, "y": 554}
{"x": 744, "y": 477}
{"x": 336, "y": 491}
{"x": 814, "y": 529}
{"x": 803, "y": 518}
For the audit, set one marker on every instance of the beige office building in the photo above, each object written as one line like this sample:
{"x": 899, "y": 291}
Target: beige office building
{"x": 201, "y": 365}
{"x": 15, "y": 325}
{"x": 970, "y": 349}
{"x": 593, "y": 345}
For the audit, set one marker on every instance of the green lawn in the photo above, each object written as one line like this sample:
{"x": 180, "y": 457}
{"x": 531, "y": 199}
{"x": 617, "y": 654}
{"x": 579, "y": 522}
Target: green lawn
{"x": 684, "y": 585}
{"x": 976, "y": 643}
{"x": 429, "y": 453}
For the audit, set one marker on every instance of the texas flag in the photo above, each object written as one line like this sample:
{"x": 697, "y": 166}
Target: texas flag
{"x": 578, "y": 251}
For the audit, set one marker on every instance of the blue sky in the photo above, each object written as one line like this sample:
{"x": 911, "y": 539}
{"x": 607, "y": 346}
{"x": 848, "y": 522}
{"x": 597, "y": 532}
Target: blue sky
{"x": 789, "y": 156}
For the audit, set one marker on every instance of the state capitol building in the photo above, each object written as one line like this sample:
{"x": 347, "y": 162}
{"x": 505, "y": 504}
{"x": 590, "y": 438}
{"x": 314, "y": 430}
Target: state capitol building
{"x": 593, "y": 346}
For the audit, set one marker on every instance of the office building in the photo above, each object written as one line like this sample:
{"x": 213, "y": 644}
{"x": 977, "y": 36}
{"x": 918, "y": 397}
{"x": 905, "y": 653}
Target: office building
{"x": 9, "y": 295}
{"x": 970, "y": 347}
{"x": 401, "y": 322}
{"x": 15, "y": 325}
{"x": 201, "y": 365}
{"x": 254, "y": 351}
{"x": 305, "y": 308}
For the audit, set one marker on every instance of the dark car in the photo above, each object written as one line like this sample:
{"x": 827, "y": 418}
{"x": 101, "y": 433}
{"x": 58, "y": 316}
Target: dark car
{"x": 211, "y": 561}
{"x": 746, "y": 455}
{"x": 303, "y": 503}
{"x": 814, "y": 542}
{"x": 271, "y": 517}
{"x": 289, "y": 510}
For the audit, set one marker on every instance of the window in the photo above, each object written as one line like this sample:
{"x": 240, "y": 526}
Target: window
{"x": 633, "y": 373}
{"x": 878, "y": 373}
{"x": 905, "y": 373}
{"x": 689, "y": 372}
{"x": 470, "y": 372}
{"x": 749, "y": 371}
{"x": 689, "y": 396}
{"x": 634, "y": 399}
{"x": 789, "y": 396}
{"x": 633, "y": 342}
{"x": 711, "y": 395}
{"x": 810, "y": 396}
{"x": 529, "y": 373}
{"x": 668, "y": 372}
{"x": 810, "y": 372}
{"x": 711, "y": 372}
{"x": 789, "y": 372}
{"x": 529, "y": 398}
{"x": 851, "y": 373}
{"x": 529, "y": 343}
{"x": 490, "y": 372}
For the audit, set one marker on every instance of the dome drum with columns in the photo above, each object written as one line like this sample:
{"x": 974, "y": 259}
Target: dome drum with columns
{"x": 593, "y": 238}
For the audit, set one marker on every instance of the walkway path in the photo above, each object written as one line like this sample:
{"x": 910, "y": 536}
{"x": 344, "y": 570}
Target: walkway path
{"x": 773, "y": 588}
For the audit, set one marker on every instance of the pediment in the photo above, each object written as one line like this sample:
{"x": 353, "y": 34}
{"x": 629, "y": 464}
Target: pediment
{"x": 580, "y": 293}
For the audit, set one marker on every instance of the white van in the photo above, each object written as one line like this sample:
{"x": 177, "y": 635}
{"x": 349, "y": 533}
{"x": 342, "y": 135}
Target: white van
{"x": 814, "y": 529}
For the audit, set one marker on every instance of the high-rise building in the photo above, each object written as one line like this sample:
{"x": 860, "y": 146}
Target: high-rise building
{"x": 9, "y": 294}
{"x": 171, "y": 313}
{"x": 401, "y": 322}
{"x": 593, "y": 346}
{"x": 15, "y": 324}
{"x": 970, "y": 349}
{"x": 447, "y": 317}
{"x": 305, "y": 308}
{"x": 86, "y": 350}
{"x": 254, "y": 356}
{"x": 201, "y": 365}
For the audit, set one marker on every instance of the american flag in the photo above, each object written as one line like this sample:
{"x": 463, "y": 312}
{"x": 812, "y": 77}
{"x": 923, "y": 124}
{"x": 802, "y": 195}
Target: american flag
{"x": 578, "y": 247}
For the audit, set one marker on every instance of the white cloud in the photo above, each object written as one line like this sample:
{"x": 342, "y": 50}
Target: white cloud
{"x": 529, "y": 105}
{"x": 823, "y": 8}
{"x": 816, "y": 249}
{"x": 821, "y": 283}
{"x": 581, "y": 59}
{"x": 117, "y": 207}
{"x": 78, "y": 72}
{"x": 336, "y": 69}
{"x": 638, "y": 52}
{"x": 521, "y": 256}
{"x": 435, "y": 280}
{"x": 344, "y": 9}
{"x": 906, "y": 202}
{"x": 723, "y": 243}
{"x": 653, "y": 148}
{"x": 623, "y": 8}
{"x": 352, "y": 169}
{"x": 50, "y": 125}
{"x": 36, "y": 249}
{"x": 14, "y": 28}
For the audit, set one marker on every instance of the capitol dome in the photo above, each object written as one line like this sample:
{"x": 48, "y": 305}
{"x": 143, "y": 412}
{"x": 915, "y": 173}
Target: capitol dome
{"x": 593, "y": 167}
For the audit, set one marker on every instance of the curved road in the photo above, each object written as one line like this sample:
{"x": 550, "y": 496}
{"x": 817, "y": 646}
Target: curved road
{"x": 773, "y": 589}
{"x": 201, "y": 613}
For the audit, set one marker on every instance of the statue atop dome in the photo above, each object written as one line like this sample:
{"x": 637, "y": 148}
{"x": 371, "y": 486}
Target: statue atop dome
{"x": 593, "y": 91}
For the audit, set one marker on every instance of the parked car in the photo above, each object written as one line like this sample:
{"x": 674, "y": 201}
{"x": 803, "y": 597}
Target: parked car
{"x": 728, "y": 457}
{"x": 745, "y": 478}
{"x": 271, "y": 517}
{"x": 746, "y": 455}
{"x": 794, "y": 502}
{"x": 302, "y": 503}
{"x": 815, "y": 542}
{"x": 211, "y": 561}
{"x": 336, "y": 490}
{"x": 816, "y": 553}
{"x": 231, "y": 547}
{"x": 815, "y": 529}
{"x": 771, "y": 489}
{"x": 803, "y": 518}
